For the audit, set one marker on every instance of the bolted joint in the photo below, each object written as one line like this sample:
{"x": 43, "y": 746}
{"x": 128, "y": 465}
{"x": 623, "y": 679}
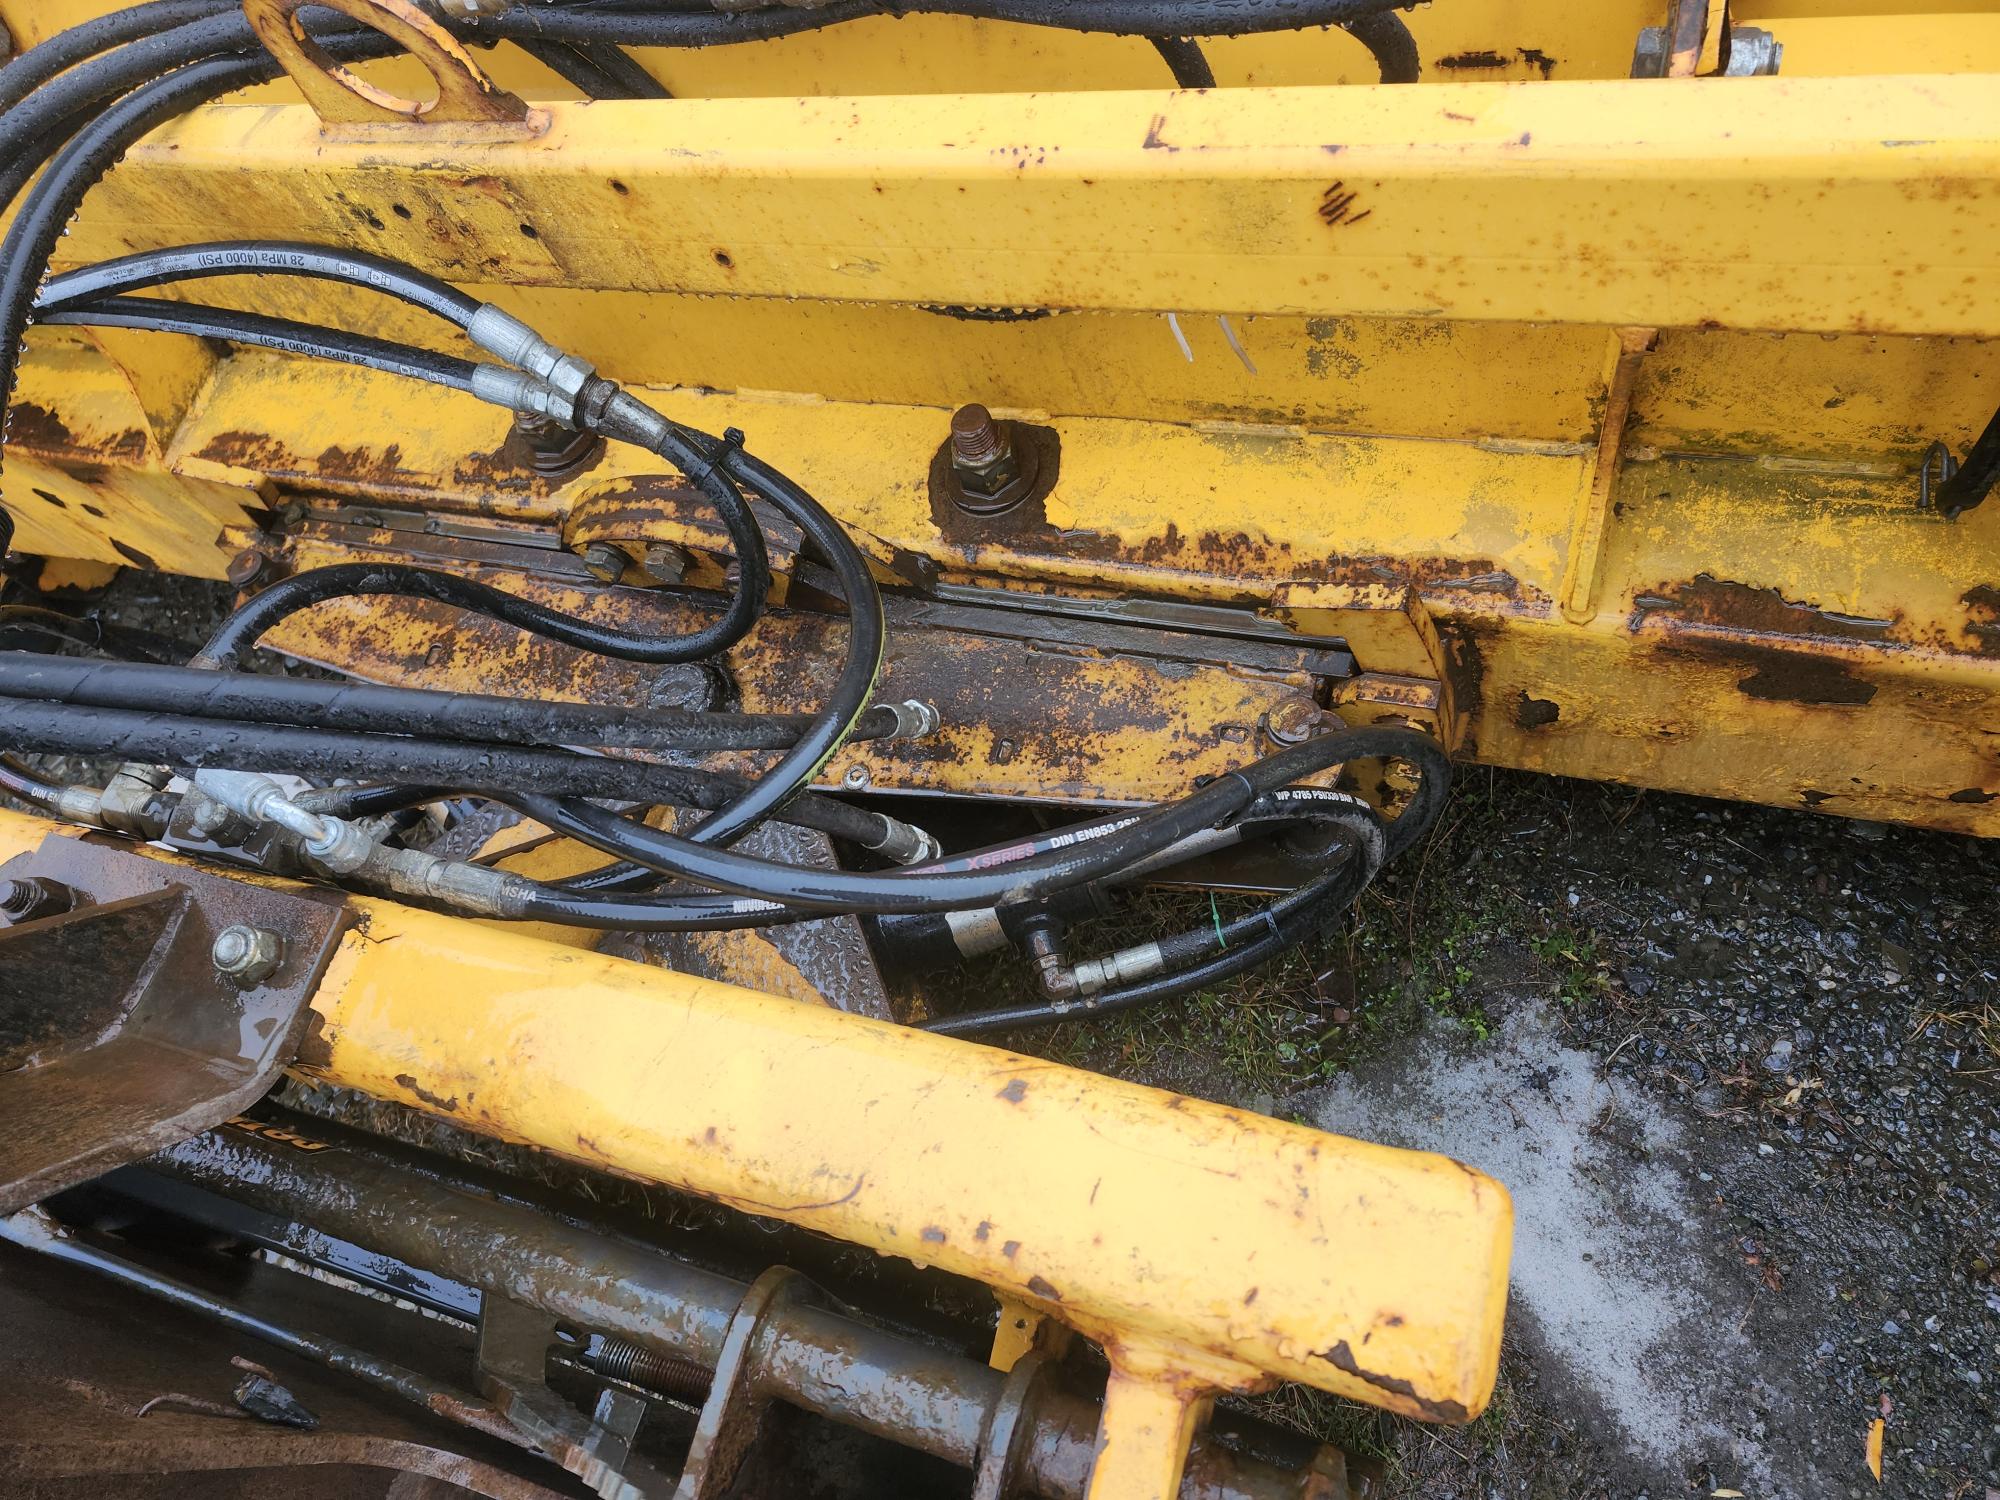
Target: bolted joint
{"x": 248, "y": 568}
{"x": 666, "y": 562}
{"x": 991, "y": 473}
{"x": 34, "y": 896}
{"x": 605, "y": 561}
{"x": 1292, "y": 722}
{"x": 247, "y": 955}
{"x": 551, "y": 447}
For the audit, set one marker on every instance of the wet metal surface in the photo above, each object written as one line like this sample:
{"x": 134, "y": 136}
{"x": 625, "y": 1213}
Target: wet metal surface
{"x": 122, "y": 1036}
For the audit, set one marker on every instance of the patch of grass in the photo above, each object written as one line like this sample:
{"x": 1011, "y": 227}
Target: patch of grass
{"x": 1572, "y": 956}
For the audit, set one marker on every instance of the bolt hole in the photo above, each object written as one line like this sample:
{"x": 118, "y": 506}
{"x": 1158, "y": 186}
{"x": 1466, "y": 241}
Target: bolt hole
{"x": 528, "y": 232}
{"x": 725, "y": 260}
{"x": 400, "y": 212}
{"x": 620, "y": 189}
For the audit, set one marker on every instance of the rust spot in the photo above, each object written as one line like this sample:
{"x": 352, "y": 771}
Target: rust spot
{"x": 1015, "y": 1091}
{"x": 1535, "y": 713}
{"x": 620, "y": 189}
{"x": 1972, "y": 794}
{"x": 134, "y": 556}
{"x": 1336, "y": 205}
{"x": 37, "y": 427}
{"x": 56, "y": 500}
{"x": 1535, "y": 57}
{"x": 1342, "y": 1358}
{"x": 932, "y": 1235}
{"x": 1462, "y": 61}
{"x": 1788, "y": 677}
{"x": 724, "y": 259}
{"x": 709, "y": 1135}
{"x": 985, "y": 1228}
{"x": 1043, "y": 1289}
{"x": 1707, "y": 600}
{"x": 1250, "y": 1296}
{"x": 1011, "y": 1249}
{"x": 405, "y": 1081}
{"x": 1153, "y": 142}
{"x": 1813, "y": 799}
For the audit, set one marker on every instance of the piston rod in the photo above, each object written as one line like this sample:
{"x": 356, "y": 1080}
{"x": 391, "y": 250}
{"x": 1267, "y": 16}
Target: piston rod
{"x": 822, "y": 1361}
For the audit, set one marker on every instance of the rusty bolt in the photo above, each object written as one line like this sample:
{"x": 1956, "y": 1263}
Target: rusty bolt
{"x": 248, "y": 955}
{"x": 984, "y": 462}
{"x": 667, "y": 562}
{"x": 604, "y": 562}
{"x": 1293, "y": 721}
{"x": 551, "y": 447}
{"x": 33, "y": 896}
{"x": 855, "y": 779}
{"x": 247, "y": 567}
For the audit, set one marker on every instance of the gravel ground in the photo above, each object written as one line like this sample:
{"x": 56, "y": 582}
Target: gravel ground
{"x": 1740, "y": 1068}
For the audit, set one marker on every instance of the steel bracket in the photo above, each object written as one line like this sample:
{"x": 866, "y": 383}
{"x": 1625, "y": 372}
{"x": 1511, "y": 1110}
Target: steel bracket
{"x": 117, "y": 1034}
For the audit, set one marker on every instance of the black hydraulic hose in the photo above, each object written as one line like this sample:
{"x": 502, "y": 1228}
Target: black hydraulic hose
{"x": 926, "y": 888}
{"x": 151, "y": 268}
{"x": 63, "y": 51}
{"x": 1244, "y": 944}
{"x": 152, "y": 314}
{"x": 574, "y": 66}
{"x": 1183, "y": 54}
{"x": 329, "y": 754}
{"x": 45, "y": 215}
{"x": 701, "y": 456}
{"x": 625, "y": 70}
{"x": 251, "y": 620}
{"x": 643, "y": 27}
{"x": 264, "y": 699}
{"x": 22, "y": 781}
{"x": 100, "y": 80}
{"x": 601, "y": 71}
{"x": 1389, "y": 42}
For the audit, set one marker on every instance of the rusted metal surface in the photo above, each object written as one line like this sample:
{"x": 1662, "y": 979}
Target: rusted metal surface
{"x": 117, "y": 1035}
{"x": 1039, "y": 707}
{"x": 1586, "y": 542}
{"x": 467, "y": 105}
{"x": 809, "y": 1356}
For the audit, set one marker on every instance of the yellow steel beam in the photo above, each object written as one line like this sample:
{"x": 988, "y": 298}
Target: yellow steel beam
{"x": 1586, "y": 202}
{"x": 1206, "y": 1248}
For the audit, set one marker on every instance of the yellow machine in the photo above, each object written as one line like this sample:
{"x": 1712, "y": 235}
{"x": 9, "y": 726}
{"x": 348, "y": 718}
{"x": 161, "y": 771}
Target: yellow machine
{"x": 1083, "y": 443}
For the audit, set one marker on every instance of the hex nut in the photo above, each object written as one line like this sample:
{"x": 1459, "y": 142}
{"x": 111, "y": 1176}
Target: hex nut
{"x": 247, "y": 955}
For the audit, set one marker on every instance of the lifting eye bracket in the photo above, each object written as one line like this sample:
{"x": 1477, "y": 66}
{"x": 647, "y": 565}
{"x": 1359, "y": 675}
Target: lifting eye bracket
{"x": 467, "y": 100}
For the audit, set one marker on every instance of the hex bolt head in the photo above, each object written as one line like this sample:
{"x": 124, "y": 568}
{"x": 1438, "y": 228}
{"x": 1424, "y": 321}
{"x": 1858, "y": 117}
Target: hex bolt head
{"x": 604, "y": 562}
{"x": 667, "y": 562}
{"x": 32, "y": 896}
{"x": 247, "y": 955}
{"x": 1293, "y": 721}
